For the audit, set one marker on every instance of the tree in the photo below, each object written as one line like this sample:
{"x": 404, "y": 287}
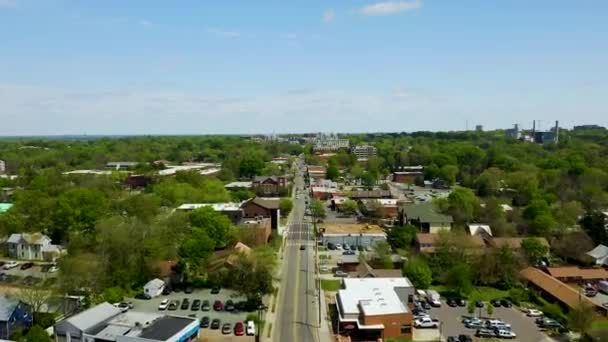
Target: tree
{"x": 241, "y": 195}
{"x": 490, "y": 309}
{"x": 317, "y": 208}
{"x": 572, "y": 246}
{"x": 349, "y": 207}
{"x": 488, "y": 183}
{"x": 463, "y": 205}
{"x": 580, "y": 319}
{"x": 383, "y": 252}
{"x": 533, "y": 249}
{"x": 448, "y": 173}
{"x": 459, "y": 279}
{"x": 36, "y": 297}
{"x": 594, "y": 225}
{"x": 497, "y": 267}
{"x": 542, "y": 224}
{"x": 78, "y": 210}
{"x": 214, "y": 224}
{"x": 251, "y": 165}
{"x": 251, "y": 278}
{"x": 143, "y": 206}
{"x": 402, "y": 236}
{"x": 332, "y": 170}
{"x": 419, "y": 272}
{"x": 195, "y": 250}
{"x": 369, "y": 179}
{"x": 567, "y": 216}
{"x": 471, "y": 306}
{"x": 36, "y": 334}
{"x": 285, "y": 205}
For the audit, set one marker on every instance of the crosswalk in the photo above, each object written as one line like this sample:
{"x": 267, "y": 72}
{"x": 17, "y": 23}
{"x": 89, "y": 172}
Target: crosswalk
{"x": 299, "y": 232}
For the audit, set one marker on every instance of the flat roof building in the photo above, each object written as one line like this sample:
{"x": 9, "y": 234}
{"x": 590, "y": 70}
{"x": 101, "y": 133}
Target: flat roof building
{"x": 364, "y": 235}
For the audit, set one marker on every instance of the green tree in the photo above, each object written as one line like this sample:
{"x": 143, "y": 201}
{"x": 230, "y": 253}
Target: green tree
{"x": 251, "y": 165}
{"x": 567, "y": 216}
{"x": 143, "y": 206}
{"x": 402, "y": 236}
{"x": 317, "y": 209}
{"x": 490, "y": 309}
{"x": 533, "y": 249}
{"x": 488, "y": 183}
{"x": 448, "y": 173}
{"x": 419, "y": 272}
{"x": 194, "y": 252}
{"x": 78, "y": 210}
{"x": 349, "y": 207}
{"x": 383, "y": 252}
{"x": 471, "y": 306}
{"x": 36, "y": 334}
{"x": 332, "y": 170}
{"x": 543, "y": 224}
{"x": 214, "y": 224}
{"x": 463, "y": 205}
{"x": 251, "y": 278}
{"x": 241, "y": 195}
{"x": 580, "y": 319}
{"x": 459, "y": 279}
{"x": 285, "y": 205}
{"x": 594, "y": 225}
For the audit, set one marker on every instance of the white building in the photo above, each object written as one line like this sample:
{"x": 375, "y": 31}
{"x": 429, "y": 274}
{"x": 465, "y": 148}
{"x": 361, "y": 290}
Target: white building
{"x": 2, "y": 167}
{"x": 479, "y": 229}
{"x": 363, "y": 152}
{"x": 154, "y": 287}
{"x": 34, "y": 246}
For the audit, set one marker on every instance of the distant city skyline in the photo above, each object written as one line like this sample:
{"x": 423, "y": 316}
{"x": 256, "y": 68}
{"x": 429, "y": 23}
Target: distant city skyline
{"x": 192, "y": 67}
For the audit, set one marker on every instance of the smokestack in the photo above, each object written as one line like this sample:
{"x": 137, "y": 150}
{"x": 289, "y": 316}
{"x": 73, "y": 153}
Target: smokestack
{"x": 556, "y": 131}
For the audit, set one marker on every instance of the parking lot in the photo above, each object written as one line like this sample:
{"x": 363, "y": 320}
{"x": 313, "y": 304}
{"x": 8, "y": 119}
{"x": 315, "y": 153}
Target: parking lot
{"x": 35, "y": 275}
{"x": 451, "y": 321}
{"x": 204, "y": 294}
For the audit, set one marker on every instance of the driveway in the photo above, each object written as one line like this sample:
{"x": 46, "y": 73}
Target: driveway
{"x": 451, "y": 322}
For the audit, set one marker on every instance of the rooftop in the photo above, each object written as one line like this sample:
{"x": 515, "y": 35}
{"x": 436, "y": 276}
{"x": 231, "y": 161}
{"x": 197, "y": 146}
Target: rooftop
{"x": 425, "y": 212}
{"x": 577, "y": 272}
{"x": 351, "y": 228}
{"x": 165, "y": 327}
{"x": 372, "y": 296}
{"x": 238, "y": 185}
{"x": 230, "y": 206}
{"x": 5, "y": 207}
{"x": 475, "y": 229}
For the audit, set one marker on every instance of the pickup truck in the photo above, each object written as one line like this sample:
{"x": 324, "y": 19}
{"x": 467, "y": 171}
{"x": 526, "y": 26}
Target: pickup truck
{"x": 425, "y": 322}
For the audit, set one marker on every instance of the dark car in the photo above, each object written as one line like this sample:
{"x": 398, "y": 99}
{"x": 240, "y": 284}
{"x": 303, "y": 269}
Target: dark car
{"x": 185, "y": 304}
{"x": 188, "y": 290}
{"x": 196, "y": 305}
{"x": 451, "y": 302}
{"x": 229, "y": 306}
{"x": 331, "y": 246}
{"x": 506, "y": 303}
{"x": 479, "y": 304}
{"x": 426, "y": 305}
{"x": 485, "y": 333}
{"x": 218, "y": 306}
{"x": 173, "y": 305}
{"x": 240, "y": 306}
{"x": 349, "y": 252}
{"x": 496, "y": 303}
{"x": 302, "y": 247}
{"x": 26, "y": 265}
{"x": 215, "y": 290}
{"x": 143, "y": 296}
{"x": 461, "y": 302}
{"x": 226, "y": 328}
{"x": 205, "y": 306}
{"x": 215, "y": 324}
{"x": 166, "y": 291}
{"x": 452, "y": 339}
{"x": 465, "y": 338}
{"x": 205, "y": 322}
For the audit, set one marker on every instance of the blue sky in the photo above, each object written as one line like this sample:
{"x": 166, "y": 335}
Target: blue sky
{"x": 199, "y": 67}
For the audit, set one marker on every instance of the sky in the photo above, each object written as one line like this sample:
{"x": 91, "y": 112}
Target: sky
{"x": 249, "y": 67}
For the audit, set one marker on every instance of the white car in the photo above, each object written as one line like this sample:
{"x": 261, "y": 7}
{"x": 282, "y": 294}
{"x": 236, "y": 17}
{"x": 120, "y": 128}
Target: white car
{"x": 338, "y": 247}
{"x": 53, "y": 269}
{"x": 425, "y": 322}
{"x": 503, "y": 333}
{"x": 10, "y": 264}
{"x": 534, "y": 313}
{"x": 250, "y": 329}
{"x": 163, "y": 305}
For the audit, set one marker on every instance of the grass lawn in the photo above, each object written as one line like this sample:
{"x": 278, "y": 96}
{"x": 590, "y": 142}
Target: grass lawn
{"x": 600, "y": 324}
{"x": 398, "y": 339}
{"x": 330, "y": 285}
{"x": 483, "y": 293}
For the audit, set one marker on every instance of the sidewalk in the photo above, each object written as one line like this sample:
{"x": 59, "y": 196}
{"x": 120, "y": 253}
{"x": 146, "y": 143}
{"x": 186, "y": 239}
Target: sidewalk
{"x": 325, "y": 334}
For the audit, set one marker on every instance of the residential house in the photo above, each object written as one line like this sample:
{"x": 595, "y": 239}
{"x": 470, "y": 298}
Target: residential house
{"x": 260, "y": 207}
{"x": 599, "y": 254}
{"x": 105, "y": 322}
{"x": 154, "y": 287}
{"x": 15, "y": 315}
{"x": 364, "y": 270}
{"x": 426, "y": 217}
{"x": 137, "y": 181}
{"x": 269, "y": 185}
{"x": 479, "y": 229}
{"x": 375, "y": 308}
{"x": 32, "y": 246}
{"x": 231, "y": 210}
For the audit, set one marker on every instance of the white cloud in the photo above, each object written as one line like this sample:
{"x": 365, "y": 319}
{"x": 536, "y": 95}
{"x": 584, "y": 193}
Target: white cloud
{"x": 390, "y": 7}
{"x": 328, "y": 16}
{"x": 8, "y": 3}
{"x": 224, "y": 33}
{"x": 145, "y": 23}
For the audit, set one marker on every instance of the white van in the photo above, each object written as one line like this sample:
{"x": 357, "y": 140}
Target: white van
{"x": 250, "y": 330}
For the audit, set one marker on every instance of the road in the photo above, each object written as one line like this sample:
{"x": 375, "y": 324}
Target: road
{"x": 297, "y": 311}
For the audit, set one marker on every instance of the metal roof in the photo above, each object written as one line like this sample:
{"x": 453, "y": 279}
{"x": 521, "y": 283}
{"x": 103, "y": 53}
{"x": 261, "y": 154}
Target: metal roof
{"x": 91, "y": 317}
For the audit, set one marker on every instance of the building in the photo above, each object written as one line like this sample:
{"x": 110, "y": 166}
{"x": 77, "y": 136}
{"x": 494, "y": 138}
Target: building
{"x": 137, "y": 181}
{"x": 375, "y": 308}
{"x": 280, "y": 160}
{"x": 363, "y": 152}
{"x": 426, "y": 243}
{"x": 513, "y": 133}
{"x": 356, "y": 234}
{"x": 269, "y": 185}
{"x": 15, "y": 315}
{"x": 479, "y": 229}
{"x": 362, "y": 194}
{"x": 238, "y": 185}
{"x": 577, "y": 275}
{"x": 154, "y": 287}
{"x": 586, "y": 127}
{"x": 479, "y": 128}
{"x": 232, "y": 210}
{"x": 34, "y": 246}
{"x": 328, "y": 143}
{"x": 388, "y": 207}
{"x": 426, "y": 217}
{"x": 599, "y": 255}
{"x": 107, "y": 323}
{"x": 324, "y": 193}
{"x": 408, "y": 174}
{"x": 2, "y": 167}
{"x": 364, "y": 270}
{"x": 261, "y": 207}
{"x": 316, "y": 171}
{"x": 121, "y": 165}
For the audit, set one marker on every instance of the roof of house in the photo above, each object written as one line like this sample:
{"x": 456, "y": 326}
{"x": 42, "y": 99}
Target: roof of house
{"x": 91, "y": 317}
{"x": 425, "y": 212}
{"x": 228, "y": 206}
{"x": 372, "y": 296}
{"x": 475, "y": 229}
{"x": 268, "y": 203}
{"x": 431, "y": 239}
{"x": 32, "y": 239}
{"x": 385, "y": 202}
{"x": 599, "y": 252}
{"x": 577, "y": 272}
{"x": 7, "y": 306}
{"x": 515, "y": 242}
{"x": 364, "y": 270}
{"x": 155, "y": 283}
{"x": 165, "y": 327}
{"x": 555, "y": 288}
{"x": 265, "y": 178}
{"x": 5, "y": 207}
{"x": 370, "y": 194}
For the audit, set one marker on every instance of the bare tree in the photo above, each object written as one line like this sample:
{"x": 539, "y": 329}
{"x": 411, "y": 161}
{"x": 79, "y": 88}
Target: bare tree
{"x": 36, "y": 297}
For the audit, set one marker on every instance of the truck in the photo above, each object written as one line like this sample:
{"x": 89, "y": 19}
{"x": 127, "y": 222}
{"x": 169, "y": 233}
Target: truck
{"x": 603, "y": 286}
{"x": 433, "y": 297}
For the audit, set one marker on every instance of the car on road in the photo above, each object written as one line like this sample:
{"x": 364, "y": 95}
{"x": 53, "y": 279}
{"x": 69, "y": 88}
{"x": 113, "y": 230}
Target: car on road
{"x": 348, "y": 252}
{"x": 143, "y": 296}
{"x": 229, "y": 306}
{"x": 205, "y": 322}
{"x": 215, "y": 324}
{"x": 425, "y": 322}
{"x": 226, "y": 328}
{"x": 185, "y": 304}
{"x": 196, "y": 305}
{"x": 218, "y": 306}
{"x": 215, "y": 290}
{"x": 504, "y": 333}
{"x": 239, "y": 329}
{"x": 250, "y": 328}
{"x": 534, "y": 313}
{"x": 485, "y": 333}
{"x": 173, "y": 305}
{"x": 10, "y": 264}
{"x": 341, "y": 274}
{"x": 26, "y": 265}
{"x": 164, "y": 304}
{"x": 206, "y": 306}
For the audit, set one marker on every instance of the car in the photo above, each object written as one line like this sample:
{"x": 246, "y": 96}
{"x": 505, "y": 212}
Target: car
{"x": 426, "y": 305}
{"x": 545, "y": 322}
{"x": 467, "y": 319}
{"x": 166, "y": 291}
{"x": 346, "y": 247}
{"x": 465, "y": 338}
{"x": 474, "y": 325}
{"x": 418, "y": 311}
{"x": 53, "y": 269}
{"x": 123, "y": 306}
{"x": 143, "y": 296}
{"x": 338, "y": 247}
{"x": 479, "y": 304}
{"x": 590, "y": 291}
{"x": 164, "y": 304}
{"x": 26, "y": 265}
{"x": 503, "y": 333}
{"x": 485, "y": 333}
{"x": 348, "y": 252}
{"x": 506, "y": 303}
{"x": 229, "y": 306}
{"x": 496, "y": 303}
{"x": 250, "y": 331}
{"x": 188, "y": 290}
{"x": 461, "y": 302}
{"x": 205, "y": 306}
{"x": 341, "y": 274}
{"x": 302, "y": 247}
{"x": 173, "y": 305}
{"x": 215, "y": 290}
{"x": 10, "y": 264}
{"x": 497, "y": 324}
{"x": 205, "y": 322}
{"x": 196, "y": 305}
{"x": 331, "y": 246}
{"x": 218, "y": 306}
{"x": 451, "y": 303}
{"x": 425, "y": 322}
{"x": 534, "y": 313}
{"x": 239, "y": 329}
{"x": 215, "y": 324}
{"x": 185, "y": 304}
{"x": 226, "y": 328}
{"x": 452, "y": 339}
{"x": 240, "y": 306}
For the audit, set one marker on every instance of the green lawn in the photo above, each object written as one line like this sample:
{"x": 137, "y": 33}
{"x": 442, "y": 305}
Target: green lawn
{"x": 330, "y": 285}
{"x": 483, "y": 293}
{"x": 398, "y": 339}
{"x": 600, "y": 324}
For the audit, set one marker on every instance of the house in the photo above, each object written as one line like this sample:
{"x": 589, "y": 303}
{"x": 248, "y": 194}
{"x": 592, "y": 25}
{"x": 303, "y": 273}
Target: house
{"x": 599, "y": 255}
{"x": 227, "y": 257}
{"x": 105, "y": 322}
{"x": 355, "y": 234}
{"x": 14, "y": 316}
{"x": 387, "y": 206}
{"x": 316, "y": 171}
{"x": 479, "y": 229}
{"x": 363, "y": 194}
{"x": 408, "y": 174}
{"x": 238, "y": 185}
{"x": 364, "y": 270}
{"x": 32, "y": 246}
{"x": 121, "y": 165}
{"x": 426, "y": 243}
{"x": 269, "y": 185}
{"x": 137, "y": 181}
{"x": 154, "y": 287}
{"x": 375, "y": 308}
{"x": 426, "y": 217}
{"x": 577, "y": 275}
{"x": 324, "y": 193}
{"x": 262, "y": 207}
{"x": 231, "y": 210}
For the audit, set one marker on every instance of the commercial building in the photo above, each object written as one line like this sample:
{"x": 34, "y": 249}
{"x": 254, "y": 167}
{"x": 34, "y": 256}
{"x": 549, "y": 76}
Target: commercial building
{"x": 269, "y": 185}
{"x": 408, "y": 174}
{"x": 375, "y": 308}
{"x": 377, "y": 193}
{"x": 388, "y": 207}
{"x": 513, "y": 133}
{"x": 351, "y": 233}
{"x": 577, "y": 275}
{"x": 328, "y": 143}
{"x": 107, "y": 323}
{"x": 262, "y": 207}
{"x": 426, "y": 217}
{"x": 316, "y": 171}
{"x": 363, "y": 152}
{"x": 231, "y": 209}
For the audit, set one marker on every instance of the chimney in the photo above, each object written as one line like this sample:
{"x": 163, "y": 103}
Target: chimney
{"x": 556, "y": 131}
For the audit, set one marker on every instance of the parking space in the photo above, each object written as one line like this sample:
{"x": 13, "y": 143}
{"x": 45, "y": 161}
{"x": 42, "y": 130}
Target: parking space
{"x": 31, "y": 275}
{"x": 203, "y": 294}
{"x": 451, "y": 321}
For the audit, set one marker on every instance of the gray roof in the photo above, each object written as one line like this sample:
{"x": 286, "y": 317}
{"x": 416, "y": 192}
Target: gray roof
{"x": 165, "y": 327}
{"x": 598, "y": 252}
{"x": 93, "y": 316}
{"x": 425, "y": 212}
{"x": 7, "y": 306}
{"x": 155, "y": 283}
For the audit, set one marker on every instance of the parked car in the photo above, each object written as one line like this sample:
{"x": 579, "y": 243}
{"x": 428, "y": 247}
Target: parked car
{"x": 164, "y": 304}
{"x": 143, "y": 296}
{"x": 53, "y": 269}
{"x": 218, "y": 306}
{"x": 123, "y": 306}
{"x": 590, "y": 291}
{"x": 215, "y": 290}
{"x": 479, "y": 304}
{"x": 205, "y": 322}
{"x": 226, "y": 328}
{"x": 340, "y": 273}
{"x": 166, "y": 291}
{"x": 331, "y": 246}
{"x": 506, "y": 303}
{"x": 426, "y": 322}
{"x": 452, "y": 339}
{"x": 239, "y": 329}
{"x": 496, "y": 303}
{"x": 451, "y": 302}
{"x": 302, "y": 247}
{"x": 215, "y": 324}
{"x": 496, "y": 323}
{"x": 503, "y": 333}
{"x": 485, "y": 333}
{"x": 205, "y": 306}
{"x": 173, "y": 305}
{"x": 461, "y": 302}
{"x": 474, "y": 325}
{"x": 534, "y": 313}
{"x": 250, "y": 328}
{"x": 26, "y": 265}
{"x": 229, "y": 306}
{"x": 185, "y": 304}
{"x": 188, "y": 290}
{"x": 349, "y": 253}
{"x": 548, "y": 323}
{"x": 240, "y": 306}
{"x": 465, "y": 338}
{"x": 10, "y": 264}
{"x": 338, "y": 247}
{"x": 196, "y": 305}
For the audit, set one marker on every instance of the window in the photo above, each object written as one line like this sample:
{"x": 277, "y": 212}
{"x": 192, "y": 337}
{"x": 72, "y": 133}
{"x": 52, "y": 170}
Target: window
{"x": 406, "y": 329}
